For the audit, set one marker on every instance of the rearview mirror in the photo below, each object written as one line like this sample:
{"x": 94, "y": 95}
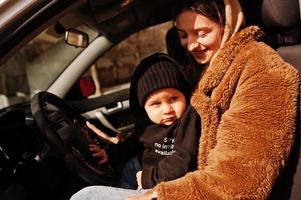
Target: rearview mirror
{"x": 76, "y": 38}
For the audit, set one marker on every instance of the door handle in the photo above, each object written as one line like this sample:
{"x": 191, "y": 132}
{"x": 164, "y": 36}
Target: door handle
{"x": 115, "y": 109}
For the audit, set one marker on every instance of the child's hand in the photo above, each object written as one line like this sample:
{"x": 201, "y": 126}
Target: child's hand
{"x": 102, "y": 135}
{"x": 139, "y": 180}
{"x": 99, "y": 152}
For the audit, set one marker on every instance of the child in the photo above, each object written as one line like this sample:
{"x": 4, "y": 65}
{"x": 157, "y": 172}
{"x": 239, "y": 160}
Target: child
{"x": 159, "y": 93}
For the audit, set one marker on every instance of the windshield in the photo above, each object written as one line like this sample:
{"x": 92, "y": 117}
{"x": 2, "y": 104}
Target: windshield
{"x": 35, "y": 66}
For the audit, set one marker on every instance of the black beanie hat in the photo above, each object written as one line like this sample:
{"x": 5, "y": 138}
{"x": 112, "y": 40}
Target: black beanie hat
{"x": 156, "y": 72}
{"x": 158, "y": 75}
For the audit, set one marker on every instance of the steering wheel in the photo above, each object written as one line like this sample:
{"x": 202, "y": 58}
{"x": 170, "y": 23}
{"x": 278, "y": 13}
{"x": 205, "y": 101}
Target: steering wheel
{"x": 69, "y": 137}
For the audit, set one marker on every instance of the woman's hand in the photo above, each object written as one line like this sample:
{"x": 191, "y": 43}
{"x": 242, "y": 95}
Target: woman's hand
{"x": 99, "y": 152}
{"x": 139, "y": 180}
{"x": 140, "y": 197}
{"x": 103, "y": 136}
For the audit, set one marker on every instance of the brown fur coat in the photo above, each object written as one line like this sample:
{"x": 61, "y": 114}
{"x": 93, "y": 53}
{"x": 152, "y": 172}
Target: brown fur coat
{"x": 247, "y": 99}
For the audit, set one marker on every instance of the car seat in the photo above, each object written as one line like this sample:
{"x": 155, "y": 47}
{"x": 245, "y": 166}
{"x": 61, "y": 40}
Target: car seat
{"x": 282, "y": 23}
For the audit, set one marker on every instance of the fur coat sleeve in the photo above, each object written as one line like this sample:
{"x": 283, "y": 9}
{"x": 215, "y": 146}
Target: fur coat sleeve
{"x": 247, "y": 99}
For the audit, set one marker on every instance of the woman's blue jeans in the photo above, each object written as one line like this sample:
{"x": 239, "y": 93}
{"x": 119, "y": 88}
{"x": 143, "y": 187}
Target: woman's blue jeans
{"x": 105, "y": 193}
{"x": 128, "y": 186}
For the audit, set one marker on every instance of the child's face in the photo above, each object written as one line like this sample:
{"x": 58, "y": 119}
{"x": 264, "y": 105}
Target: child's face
{"x": 165, "y": 106}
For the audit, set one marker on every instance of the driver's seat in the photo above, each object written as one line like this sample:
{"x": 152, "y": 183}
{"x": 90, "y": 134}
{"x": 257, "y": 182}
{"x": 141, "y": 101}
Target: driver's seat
{"x": 281, "y": 21}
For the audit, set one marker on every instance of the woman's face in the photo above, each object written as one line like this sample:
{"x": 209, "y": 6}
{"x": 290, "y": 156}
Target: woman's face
{"x": 199, "y": 35}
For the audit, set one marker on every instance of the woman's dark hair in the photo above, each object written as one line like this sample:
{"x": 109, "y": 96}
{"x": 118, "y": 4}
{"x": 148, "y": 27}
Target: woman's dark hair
{"x": 213, "y": 9}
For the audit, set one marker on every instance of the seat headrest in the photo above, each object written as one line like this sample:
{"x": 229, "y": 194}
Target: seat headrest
{"x": 281, "y": 14}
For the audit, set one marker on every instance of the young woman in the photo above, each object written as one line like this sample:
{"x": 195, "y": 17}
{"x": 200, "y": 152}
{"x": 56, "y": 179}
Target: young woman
{"x": 247, "y": 97}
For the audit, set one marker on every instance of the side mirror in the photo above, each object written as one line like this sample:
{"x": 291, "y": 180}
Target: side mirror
{"x": 87, "y": 86}
{"x": 76, "y": 38}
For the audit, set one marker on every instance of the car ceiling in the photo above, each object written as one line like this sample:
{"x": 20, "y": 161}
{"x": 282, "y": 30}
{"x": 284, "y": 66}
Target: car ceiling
{"x": 118, "y": 18}
{"x": 115, "y": 19}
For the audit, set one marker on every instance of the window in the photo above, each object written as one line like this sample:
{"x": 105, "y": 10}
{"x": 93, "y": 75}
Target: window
{"x": 35, "y": 66}
{"x": 113, "y": 70}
